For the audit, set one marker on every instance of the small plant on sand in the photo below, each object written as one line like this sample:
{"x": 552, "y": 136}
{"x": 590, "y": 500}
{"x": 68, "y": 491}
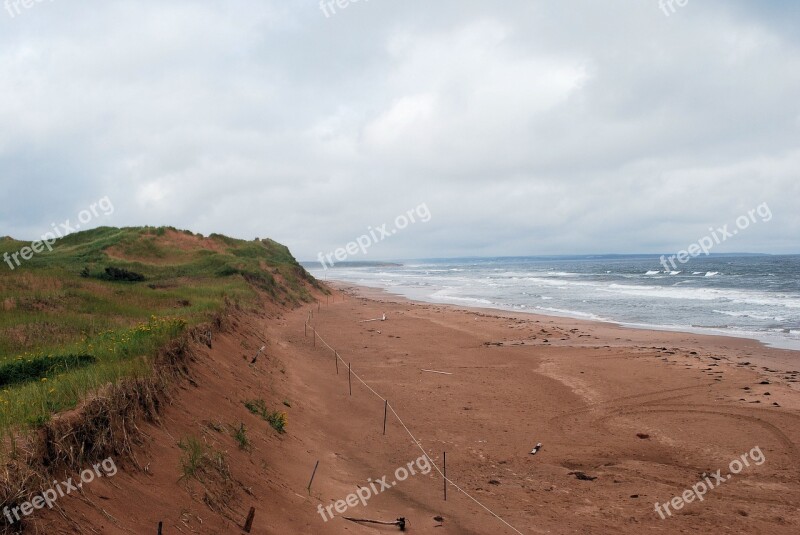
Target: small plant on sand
{"x": 201, "y": 462}
{"x": 192, "y": 459}
{"x": 257, "y": 407}
{"x": 241, "y": 438}
{"x": 278, "y": 421}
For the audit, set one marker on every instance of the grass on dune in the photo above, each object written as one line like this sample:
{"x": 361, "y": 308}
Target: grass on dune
{"x": 24, "y": 370}
{"x": 115, "y": 355}
{"x": 63, "y": 303}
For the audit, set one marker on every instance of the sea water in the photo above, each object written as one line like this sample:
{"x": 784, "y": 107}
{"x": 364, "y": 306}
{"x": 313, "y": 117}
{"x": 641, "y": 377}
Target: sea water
{"x": 747, "y": 296}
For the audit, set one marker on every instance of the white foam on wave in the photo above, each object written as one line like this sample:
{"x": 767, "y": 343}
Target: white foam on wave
{"x": 750, "y": 314}
{"x": 707, "y": 294}
{"x": 653, "y": 272}
{"x": 560, "y": 283}
{"x": 469, "y": 300}
{"x": 712, "y": 273}
{"x": 444, "y": 294}
{"x": 571, "y": 313}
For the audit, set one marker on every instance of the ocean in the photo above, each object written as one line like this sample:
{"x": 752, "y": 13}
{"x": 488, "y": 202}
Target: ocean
{"x": 746, "y": 296}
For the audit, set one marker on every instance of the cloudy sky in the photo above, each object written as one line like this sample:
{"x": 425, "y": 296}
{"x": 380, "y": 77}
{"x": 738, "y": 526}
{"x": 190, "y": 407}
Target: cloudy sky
{"x": 525, "y": 126}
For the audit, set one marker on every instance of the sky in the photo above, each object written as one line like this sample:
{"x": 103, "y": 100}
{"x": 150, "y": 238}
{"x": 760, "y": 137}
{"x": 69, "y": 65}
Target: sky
{"x": 524, "y": 127}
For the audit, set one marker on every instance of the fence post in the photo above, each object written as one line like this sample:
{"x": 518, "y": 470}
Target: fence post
{"x": 444, "y": 467}
{"x": 248, "y": 524}
{"x": 312, "y": 476}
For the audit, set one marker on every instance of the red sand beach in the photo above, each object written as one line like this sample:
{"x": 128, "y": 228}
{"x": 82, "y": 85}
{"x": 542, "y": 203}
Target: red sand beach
{"x": 626, "y": 418}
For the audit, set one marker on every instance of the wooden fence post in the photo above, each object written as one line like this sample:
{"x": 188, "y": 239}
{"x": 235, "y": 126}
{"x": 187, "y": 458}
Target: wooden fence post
{"x": 444, "y": 466}
{"x": 248, "y": 524}
{"x": 312, "y": 476}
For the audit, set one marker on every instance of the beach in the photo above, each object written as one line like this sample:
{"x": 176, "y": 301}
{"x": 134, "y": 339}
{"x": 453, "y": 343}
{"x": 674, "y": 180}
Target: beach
{"x": 626, "y": 419}
{"x": 645, "y": 412}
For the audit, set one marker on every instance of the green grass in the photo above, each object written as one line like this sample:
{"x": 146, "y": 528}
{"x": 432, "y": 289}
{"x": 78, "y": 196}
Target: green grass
{"x": 116, "y": 355}
{"x": 65, "y": 303}
{"x": 40, "y": 368}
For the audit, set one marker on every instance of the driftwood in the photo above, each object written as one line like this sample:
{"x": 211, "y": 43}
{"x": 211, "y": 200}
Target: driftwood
{"x": 400, "y": 522}
{"x": 434, "y": 371}
{"x": 383, "y": 318}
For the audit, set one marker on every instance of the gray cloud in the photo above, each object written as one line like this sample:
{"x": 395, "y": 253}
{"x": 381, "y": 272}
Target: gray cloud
{"x": 527, "y": 127}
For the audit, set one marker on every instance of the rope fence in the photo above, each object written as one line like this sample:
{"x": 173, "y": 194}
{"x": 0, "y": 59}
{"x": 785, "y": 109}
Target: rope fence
{"x": 388, "y": 406}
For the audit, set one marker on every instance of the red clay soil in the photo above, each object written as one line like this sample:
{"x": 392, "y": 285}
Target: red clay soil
{"x": 627, "y": 418}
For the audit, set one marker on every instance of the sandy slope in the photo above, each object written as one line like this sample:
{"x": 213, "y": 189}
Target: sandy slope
{"x": 584, "y": 390}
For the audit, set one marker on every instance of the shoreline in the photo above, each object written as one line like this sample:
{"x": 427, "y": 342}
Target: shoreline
{"x": 788, "y": 357}
{"x": 766, "y": 339}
